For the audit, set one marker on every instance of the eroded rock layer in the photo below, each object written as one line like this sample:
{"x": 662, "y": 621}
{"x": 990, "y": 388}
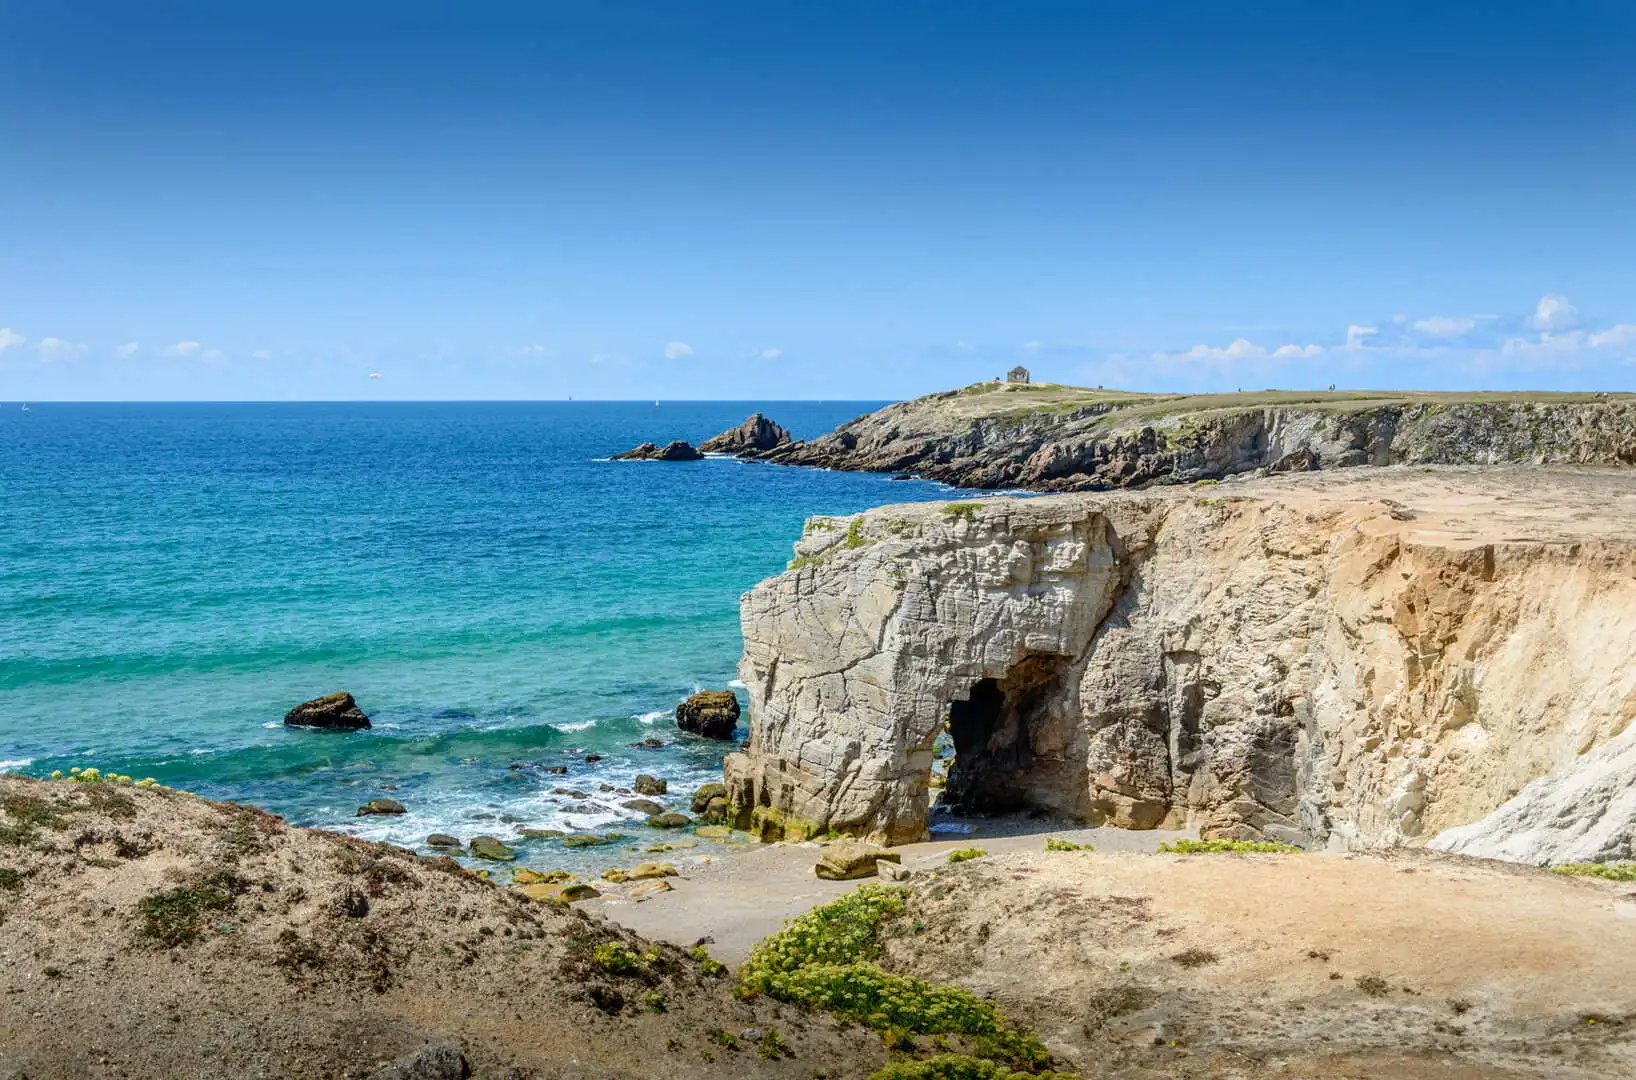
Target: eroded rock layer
{"x": 1341, "y": 659}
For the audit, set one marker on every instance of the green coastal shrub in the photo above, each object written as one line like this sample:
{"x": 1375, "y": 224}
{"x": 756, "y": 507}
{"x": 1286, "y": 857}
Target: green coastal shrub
{"x": 956, "y": 1067}
{"x": 966, "y": 854}
{"x": 967, "y": 510}
{"x": 824, "y": 960}
{"x": 1619, "y": 871}
{"x": 1227, "y": 847}
{"x": 1057, "y": 844}
{"x": 176, "y": 916}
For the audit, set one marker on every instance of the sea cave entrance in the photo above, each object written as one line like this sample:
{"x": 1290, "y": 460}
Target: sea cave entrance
{"x": 1010, "y": 738}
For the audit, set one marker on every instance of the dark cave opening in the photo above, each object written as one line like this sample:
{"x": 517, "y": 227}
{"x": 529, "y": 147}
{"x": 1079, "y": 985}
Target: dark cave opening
{"x": 1007, "y": 749}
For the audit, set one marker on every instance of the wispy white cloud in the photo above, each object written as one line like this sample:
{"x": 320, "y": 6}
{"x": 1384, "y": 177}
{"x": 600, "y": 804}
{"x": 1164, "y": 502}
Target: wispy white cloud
{"x": 677, "y": 350}
{"x": 1554, "y": 312}
{"x": 1357, "y": 336}
{"x": 261, "y": 354}
{"x": 184, "y": 348}
{"x": 1445, "y": 326}
{"x": 8, "y": 339}
{"x": 534, "y": 350}
{"x": 56, "y": 349}
{"x": 1244, "y": 349}
{"x": 771, "y": 354}
{"x": 126, "y": 350}
{"x": 1613, "y": 336}
{"x": 1031, "y": 346}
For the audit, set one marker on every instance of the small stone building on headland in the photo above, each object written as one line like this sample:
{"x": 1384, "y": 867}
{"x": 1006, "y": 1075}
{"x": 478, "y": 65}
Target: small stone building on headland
{"x": 1018, "y": 374}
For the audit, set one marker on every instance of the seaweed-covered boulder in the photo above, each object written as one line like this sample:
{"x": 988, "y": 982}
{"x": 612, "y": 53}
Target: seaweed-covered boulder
{"x": 643, "y": 806}
{"x": 577, "y": 840}
{"x": 490, "y": 847}
{"x": 705, "y": 793}
{"x": 755, "y": 436}
{"x": 711, "y": 713}
{"x": 651, "y": 785}
{"x": 525, "y": 876}
{"x": 669, "y": 821}
{"x": 381, "y": 806}
{"x": 443, "y": 840}
{"x": 848, "y": 860}
{"x": 676, "y": 450}
{"x": 332, "y": 712}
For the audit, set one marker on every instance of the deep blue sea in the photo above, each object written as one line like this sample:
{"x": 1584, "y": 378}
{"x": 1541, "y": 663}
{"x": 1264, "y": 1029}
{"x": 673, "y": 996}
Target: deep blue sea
{"x": 174, "y": 577}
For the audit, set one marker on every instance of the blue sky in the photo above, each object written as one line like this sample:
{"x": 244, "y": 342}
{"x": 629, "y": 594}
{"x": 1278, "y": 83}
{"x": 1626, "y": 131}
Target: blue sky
{"x": 817, "y": 200}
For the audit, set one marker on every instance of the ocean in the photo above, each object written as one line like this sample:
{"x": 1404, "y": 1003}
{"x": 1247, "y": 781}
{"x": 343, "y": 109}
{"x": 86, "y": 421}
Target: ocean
{"x": 499, "y": 597}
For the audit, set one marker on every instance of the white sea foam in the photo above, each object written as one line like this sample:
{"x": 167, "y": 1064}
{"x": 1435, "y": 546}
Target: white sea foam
{"x": 16, "y": 763}
{"x": 578, "y": 725}
{"x": 652, "y": 717}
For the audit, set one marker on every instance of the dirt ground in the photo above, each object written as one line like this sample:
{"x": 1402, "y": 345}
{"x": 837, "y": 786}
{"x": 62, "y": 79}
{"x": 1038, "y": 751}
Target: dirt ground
{"x": 153, "y": 935}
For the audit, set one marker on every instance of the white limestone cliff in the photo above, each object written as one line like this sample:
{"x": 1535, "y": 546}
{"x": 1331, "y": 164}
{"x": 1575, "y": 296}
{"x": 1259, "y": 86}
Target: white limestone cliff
{"x": 1338, "y": 659}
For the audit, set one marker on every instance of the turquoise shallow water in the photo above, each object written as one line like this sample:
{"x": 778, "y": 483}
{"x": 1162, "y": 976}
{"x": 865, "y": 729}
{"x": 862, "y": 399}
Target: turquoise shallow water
{"x": 173, "y": 578}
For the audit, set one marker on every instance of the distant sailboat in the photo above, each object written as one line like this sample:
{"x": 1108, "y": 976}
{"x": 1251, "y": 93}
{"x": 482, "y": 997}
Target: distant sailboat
{"x": 26, "y": 408}
{"x": 655, "y": 404}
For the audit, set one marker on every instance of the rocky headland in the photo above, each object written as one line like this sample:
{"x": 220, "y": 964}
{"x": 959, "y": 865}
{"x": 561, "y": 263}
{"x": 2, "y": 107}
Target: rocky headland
{"x": 756, "y": 436}
{"x": 1342, "y": 660}
{"x": 1047, "y": 437}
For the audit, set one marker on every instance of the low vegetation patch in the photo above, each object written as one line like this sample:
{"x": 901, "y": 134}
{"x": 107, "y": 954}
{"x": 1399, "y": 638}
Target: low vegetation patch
{"x": 1228, "y": 847}
{"x": 1373, "y": 985}
{"x": 854, "y": 534}
{"x": 176, "y": 917}
{"x": 956, "y": 1067}
{"x": 824, "y": 960}
{"x": 1192, "y": 958}
{"x": 968, "y": 511}
{"x": 1619, "y": 871}
{"x": 1058, "y": 844}
{"x": 966, "y": 854}
{"x": 10, "y": 880}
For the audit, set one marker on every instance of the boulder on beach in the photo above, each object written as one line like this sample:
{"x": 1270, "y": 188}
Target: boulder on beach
{"x": 651, "y": 785}
{"x": 848, "y": 860}
{"x": 707, "y": 792}
{"x": 381, "y": 806}
{"x": 675, "y": 450}
{"x": 333, "y": 712}
{"x": 755, "y": 436}
{"x": 711, "y": 713}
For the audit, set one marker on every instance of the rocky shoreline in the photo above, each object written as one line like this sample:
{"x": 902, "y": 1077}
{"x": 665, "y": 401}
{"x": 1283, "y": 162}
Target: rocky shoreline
{"x": 1043, "y": 437}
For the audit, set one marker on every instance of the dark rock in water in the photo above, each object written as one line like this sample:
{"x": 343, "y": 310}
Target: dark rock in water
{"x": 489, "y": 847}
{"x": 572, "y": 793}
{"x": 702, "y": 797}
{"x": 541, "y": 834}
{"x": 669, "y": 821}
{"x": 557, "y": 770}
{"x": 649, "y": 743}
{"x": 336, "y": 712}
{"x": 438, "y": 1061}
{"x": 381, "y": 806}
{"x": 585, "y": 840}
{"x": 443, "y": 839}
{"x": 591, "y": 759}
{"x": 905, "y": 476}
{"x": 711, "y": 713}
{"x": 676, "y": 450}
{"x": 643, "y": 806}
{"x": 756, "y": 435}
{"x": 651, "y": 785}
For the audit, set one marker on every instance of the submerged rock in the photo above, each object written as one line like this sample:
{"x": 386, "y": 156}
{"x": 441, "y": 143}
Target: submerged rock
{"x": 333, "y": 712}
{"x": 848, "y": 860}
{"x": 711, "y": 713}
{"x": 676, "y": 450}
{"x": 643, "y": 806}
{"x": 669, "y": 821}
{"x": 585, "y": 840}
{"x": 541, "y": 834}
{"x": 756, "y": 435}
{"x": 381, "y": 806}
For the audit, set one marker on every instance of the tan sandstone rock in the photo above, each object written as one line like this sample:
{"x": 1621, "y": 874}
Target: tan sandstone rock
{"x": 845, "y": 861}
{"x": 1342, "y": 659}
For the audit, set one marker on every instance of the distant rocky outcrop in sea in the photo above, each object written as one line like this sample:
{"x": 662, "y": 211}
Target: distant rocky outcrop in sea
{"x": 335, "y": 712}
{"x": 676, "y": 450}
{"x": 755, "y": 436}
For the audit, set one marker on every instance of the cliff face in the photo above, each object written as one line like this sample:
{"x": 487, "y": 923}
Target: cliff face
{"x": 1065, "y": 439}
{"x": 1366, "y": 657}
